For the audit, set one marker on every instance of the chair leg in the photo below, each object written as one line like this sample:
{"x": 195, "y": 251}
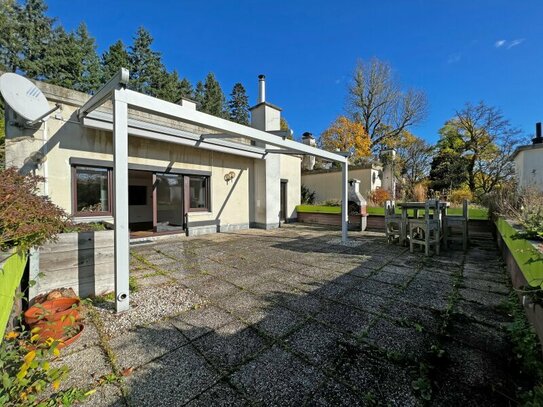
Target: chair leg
{"x": 445, "y": 235}
{"x": 465, "y": 238}
{"x": 427, "y": 242}
{"x": 438, "y": 242}
{"x": 411, "y": 240}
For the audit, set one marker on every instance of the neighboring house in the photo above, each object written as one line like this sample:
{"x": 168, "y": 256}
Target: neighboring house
{"x": 184, "y": 177}
{"x": 326, "y": 183}
{"x": 528, "y": 161}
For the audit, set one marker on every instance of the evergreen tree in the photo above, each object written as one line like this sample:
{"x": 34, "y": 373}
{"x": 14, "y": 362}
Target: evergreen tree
{"x": 213, "y": 100}
{"x": 35, "y": 38}
{"x": 147, "y": 71}
{"x": 168, "y": 86}
{"x": 239, "y": 105}
{"x": 115, "y": 58}
{"x": 74, "y": 63}
{"x": 10, "y": 40}
{"x": 199, "y": 94}
{"x": 185, "y": 88}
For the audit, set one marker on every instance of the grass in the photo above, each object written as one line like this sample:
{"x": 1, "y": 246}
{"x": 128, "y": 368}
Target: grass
{"x": 474, "y": 213}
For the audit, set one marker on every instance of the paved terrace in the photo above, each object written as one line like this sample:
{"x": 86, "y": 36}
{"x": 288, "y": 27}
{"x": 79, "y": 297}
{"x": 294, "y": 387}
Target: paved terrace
{"x": 292, "y": 317}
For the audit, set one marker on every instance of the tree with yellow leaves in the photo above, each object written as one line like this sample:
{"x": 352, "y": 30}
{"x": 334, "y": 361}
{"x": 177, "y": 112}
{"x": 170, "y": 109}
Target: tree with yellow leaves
{"x": 344, "y": 134}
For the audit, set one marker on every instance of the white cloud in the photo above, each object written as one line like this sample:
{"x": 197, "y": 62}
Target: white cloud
{"x": 508, "y": 44}
{"x": 514, "y": 43}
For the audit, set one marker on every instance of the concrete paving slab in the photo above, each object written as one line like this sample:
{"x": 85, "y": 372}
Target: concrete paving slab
{"x": 200, "y": 321}
{"x": 277, "y": 378}
{"x": 345, "y": 318}
{"x": 174, "y": 379}
{"x": 138, "y": 347}
{"x": 228, "y": 346}
{"x": 220, "y": 395}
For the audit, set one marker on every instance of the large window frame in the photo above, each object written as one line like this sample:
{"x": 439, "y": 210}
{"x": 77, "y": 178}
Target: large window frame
{"x": 75, "y": 211}
{"x": 207, "y": 192}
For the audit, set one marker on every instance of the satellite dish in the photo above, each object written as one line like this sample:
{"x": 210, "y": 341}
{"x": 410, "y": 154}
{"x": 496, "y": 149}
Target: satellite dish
{"x": 25, "y": 98}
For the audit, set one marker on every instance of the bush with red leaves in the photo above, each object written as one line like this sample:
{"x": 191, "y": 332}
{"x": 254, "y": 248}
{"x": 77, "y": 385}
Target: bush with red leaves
{"x": 26, "y": 218}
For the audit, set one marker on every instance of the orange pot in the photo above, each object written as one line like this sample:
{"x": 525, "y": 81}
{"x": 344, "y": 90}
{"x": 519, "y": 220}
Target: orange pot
{"x": 60, "y": 332}
{"x": 60, "y": 308}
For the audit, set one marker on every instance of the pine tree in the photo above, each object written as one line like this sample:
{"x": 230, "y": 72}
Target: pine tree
{"x": 185, "y": 88}
{"x": 115, "y": 58}
{"x": 213, "y": 100}
{"x": 10, "y": 40}
{"x": 91, "y": 74}
{"x": 35, "y": 35}
{"x": 147, "y": 71}
{"x": 73, "y": 62}
{"x": 199, "y": 94}
{"x": 168, "y": 86}
{"x": 239, "y": 105}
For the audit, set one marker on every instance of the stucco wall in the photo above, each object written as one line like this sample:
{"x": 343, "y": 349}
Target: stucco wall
{"x": 62, "y": 137}
{"x": 290, "y": 170}
{"x": 327, "y": 185}
{"x": 529, "y": 166}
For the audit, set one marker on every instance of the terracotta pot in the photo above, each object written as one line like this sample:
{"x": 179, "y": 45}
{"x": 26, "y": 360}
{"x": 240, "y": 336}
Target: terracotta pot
{"x": 61, "y": 308}
{"x": 58, "y": 332}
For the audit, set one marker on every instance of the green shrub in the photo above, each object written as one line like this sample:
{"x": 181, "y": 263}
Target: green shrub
{"x": 331, "y": 202}
{"x": 27, "y": 219}
{"x": 523, "y": 206}
{"x": 307, "y": 196}
{"x": 26, "y": 372}
{"x": 457, "y": 196}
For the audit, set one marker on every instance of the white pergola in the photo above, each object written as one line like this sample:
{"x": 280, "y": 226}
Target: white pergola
{"x": 122, "y": 98}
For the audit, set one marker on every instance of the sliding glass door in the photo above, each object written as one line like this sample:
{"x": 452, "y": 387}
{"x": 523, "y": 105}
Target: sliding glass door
{"x": 169, "y": 202}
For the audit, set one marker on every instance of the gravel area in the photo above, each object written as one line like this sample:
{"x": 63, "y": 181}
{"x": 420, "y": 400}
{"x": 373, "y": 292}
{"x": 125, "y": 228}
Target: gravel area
{"x": 148, "y": 305}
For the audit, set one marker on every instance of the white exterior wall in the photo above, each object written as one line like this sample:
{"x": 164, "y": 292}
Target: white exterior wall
{"x": 327, "y": 185}
{"x": 291, "y": 171}
{"x": 529, "y": 166}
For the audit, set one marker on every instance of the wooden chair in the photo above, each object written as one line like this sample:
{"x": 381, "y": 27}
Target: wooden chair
{"x": 426, "y": 231}
{"x": 458, "y": 223}
{"x": 395, "y": 225}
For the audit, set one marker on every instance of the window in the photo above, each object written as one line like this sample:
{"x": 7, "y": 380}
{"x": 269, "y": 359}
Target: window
{"x": 198, "y": 193}
{"x": 137, "y": 195}
{"x": 92, "y": 191}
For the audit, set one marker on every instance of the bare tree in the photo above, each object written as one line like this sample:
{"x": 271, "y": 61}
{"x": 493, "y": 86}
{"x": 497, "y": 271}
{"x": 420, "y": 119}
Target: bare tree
{"x": 488, "y": 139}
{"x": 377, "y": 101}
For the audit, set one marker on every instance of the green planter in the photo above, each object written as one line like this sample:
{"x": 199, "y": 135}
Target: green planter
{"x": 11, "y": 271}
{"x": 526, "y": 253}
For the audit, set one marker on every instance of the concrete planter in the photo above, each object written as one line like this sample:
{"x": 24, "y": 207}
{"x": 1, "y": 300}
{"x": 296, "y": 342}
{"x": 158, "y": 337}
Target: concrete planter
{"x": 524, "y": 260}
{"x": 83, "y": 261}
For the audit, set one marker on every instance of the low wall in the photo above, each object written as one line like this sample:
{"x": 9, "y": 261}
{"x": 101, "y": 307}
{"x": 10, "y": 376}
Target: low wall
{"x": 524, "y": 262}
{"x": 333, "y": 219}
{"x": 83, "y": 261}
{"x": 375, "y": 223}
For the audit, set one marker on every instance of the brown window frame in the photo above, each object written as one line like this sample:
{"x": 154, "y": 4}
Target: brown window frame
{"x": 207, "y": 207}
{"x": 77, "y": 213}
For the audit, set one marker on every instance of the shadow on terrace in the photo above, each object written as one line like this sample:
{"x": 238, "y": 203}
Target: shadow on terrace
{"x": 293, "y": 317}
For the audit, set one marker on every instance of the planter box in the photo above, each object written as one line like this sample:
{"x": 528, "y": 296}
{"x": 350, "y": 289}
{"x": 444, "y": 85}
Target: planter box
{"x": 83, "y": 261}
{"x": 524, "y": 261}
{"x": 356, "y": 222}
{"x": 12, "y": 267}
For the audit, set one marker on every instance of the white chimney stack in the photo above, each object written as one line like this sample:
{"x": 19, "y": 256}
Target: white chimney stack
{"x": 261, "y": 88}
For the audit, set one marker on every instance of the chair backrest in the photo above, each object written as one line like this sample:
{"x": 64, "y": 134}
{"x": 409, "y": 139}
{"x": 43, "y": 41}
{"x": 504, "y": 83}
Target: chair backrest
{"x": 390, "y": 208}
{"x": 465, "y": 211}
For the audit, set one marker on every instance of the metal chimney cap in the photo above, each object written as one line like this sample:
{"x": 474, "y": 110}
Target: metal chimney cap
{"x": 261, "y": 77}
{"x": 307, "y": 135}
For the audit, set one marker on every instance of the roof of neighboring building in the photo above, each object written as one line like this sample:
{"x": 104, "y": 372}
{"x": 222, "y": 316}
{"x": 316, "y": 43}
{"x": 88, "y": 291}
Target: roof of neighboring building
{"x": 525, "y": 148}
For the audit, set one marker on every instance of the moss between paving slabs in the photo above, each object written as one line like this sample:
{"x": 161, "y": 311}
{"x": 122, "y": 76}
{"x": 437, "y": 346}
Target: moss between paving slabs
{"x": 528, "y": 258}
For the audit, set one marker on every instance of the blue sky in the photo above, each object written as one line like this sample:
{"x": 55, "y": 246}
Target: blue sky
{"x": 454, "y": 50}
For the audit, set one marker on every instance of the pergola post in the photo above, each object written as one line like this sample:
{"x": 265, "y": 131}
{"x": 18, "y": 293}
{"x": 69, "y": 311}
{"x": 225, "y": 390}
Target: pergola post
{"x": 120, "y": 194}
{"x": 344, "y": 201}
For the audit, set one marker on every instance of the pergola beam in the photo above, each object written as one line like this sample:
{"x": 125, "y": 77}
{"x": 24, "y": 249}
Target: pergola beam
{"x": 161, "y": 107}
{"x": 104, "y": 94}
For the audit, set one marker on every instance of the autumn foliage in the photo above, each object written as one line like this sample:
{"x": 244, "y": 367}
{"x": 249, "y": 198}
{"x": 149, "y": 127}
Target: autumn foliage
{"x": 344, "y": 134}
{"x": 379, "y": 196}
{"x": 26, "y": 218}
